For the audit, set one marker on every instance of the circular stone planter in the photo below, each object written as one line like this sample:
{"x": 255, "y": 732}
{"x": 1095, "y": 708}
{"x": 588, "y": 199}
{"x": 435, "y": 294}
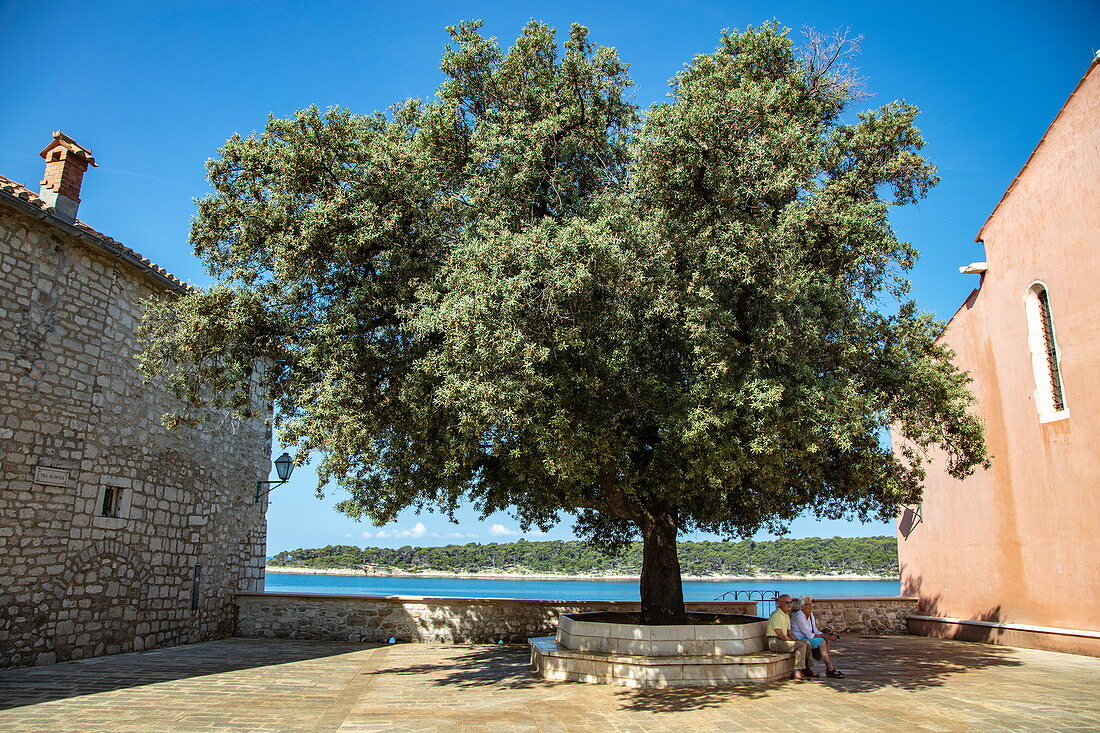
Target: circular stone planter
{"x": 589, "y": 649}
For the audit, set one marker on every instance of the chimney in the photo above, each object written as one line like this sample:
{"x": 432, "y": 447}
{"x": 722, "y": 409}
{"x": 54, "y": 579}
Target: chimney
{"x": 66, "y": 162}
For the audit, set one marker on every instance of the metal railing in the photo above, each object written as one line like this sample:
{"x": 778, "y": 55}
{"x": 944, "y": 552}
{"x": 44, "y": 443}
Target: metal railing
{"x": 765, "y": 599}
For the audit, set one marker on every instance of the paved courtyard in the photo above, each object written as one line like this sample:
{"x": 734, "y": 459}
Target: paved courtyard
{"x": 894, "y": 683}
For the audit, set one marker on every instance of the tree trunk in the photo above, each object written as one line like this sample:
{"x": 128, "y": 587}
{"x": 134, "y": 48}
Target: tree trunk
{"x": 662, "y": 589}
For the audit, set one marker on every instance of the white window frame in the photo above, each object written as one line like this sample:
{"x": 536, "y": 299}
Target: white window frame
{"x": 123, "y": 497}
{"x": 1047, "y": 380}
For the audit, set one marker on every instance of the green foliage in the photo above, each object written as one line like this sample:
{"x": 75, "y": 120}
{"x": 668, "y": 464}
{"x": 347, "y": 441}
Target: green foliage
{"x": 811, "y": 556}
{"x": 520, "y": 295}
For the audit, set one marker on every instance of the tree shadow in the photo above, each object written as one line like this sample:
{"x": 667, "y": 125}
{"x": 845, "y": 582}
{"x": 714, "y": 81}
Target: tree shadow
{"x": 21, "y": 686}
{"x": 870, "y": 663}
{"x": 508, "y": 666}
{"x": 929, "y": 604}
{"x": 500, "y": 665}
{"x": 683, "y": 699}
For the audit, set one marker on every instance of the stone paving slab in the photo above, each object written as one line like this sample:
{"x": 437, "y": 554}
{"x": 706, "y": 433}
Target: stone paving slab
{"x": 894, "y": 683}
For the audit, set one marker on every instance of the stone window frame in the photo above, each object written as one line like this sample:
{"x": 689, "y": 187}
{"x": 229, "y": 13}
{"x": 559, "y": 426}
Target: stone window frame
{"x": 1046, "y": 360}
{"x": 111, "y": 506}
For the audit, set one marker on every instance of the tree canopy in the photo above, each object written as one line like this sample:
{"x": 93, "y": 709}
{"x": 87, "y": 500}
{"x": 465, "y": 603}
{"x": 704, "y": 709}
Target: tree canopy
{"x": 526, "y": 295}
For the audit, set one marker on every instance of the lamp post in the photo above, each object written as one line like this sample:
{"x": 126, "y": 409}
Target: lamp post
{"x": 284, "y": 466}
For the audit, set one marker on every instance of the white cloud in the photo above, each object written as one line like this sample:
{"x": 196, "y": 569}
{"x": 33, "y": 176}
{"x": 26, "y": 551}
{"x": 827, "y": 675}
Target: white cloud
{"x": 499, "y": 530}
{"x": 417, "y": 531}
{"x": 454, "y": 535}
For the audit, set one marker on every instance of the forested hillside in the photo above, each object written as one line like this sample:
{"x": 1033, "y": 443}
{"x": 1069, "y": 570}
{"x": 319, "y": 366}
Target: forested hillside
{"x": 811, "y": 556}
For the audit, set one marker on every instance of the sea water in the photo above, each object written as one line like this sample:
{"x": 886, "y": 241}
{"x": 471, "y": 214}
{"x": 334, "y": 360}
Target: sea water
{"x": 562, "y": 590}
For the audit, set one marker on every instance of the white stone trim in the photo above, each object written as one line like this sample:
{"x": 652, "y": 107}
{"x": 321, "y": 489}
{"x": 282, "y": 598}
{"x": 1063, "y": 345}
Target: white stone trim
{"x": 1043, "y": 395}
{"x": 1045, "y": 417}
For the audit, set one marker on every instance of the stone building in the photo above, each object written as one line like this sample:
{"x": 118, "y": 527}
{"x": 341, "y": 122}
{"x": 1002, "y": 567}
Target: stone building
{"x": 117, "y": 534}
{"x": 1012, "y": 554}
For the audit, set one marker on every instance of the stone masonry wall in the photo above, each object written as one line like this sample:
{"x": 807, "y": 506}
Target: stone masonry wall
{"x": 864, "y": 615}
{"x": 468, "y": 620}
{"x": 76, "y": 422}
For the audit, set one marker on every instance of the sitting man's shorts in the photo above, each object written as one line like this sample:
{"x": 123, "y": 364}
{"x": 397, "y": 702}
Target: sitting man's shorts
{"x": 815, "y": 643}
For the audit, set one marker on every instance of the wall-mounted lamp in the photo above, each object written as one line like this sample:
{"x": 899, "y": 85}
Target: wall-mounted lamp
{"x": 284, "y": 466}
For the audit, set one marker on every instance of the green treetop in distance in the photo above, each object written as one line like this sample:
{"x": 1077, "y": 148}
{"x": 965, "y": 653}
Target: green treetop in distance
{"x": 877, "y": 556}
{"x": 520, "y": 295}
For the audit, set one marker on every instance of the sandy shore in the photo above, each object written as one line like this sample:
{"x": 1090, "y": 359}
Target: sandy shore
{"x": 533, "y": 576}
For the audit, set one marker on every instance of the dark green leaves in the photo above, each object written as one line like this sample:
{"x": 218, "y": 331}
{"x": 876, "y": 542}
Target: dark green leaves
{"x": 518, "y": 294}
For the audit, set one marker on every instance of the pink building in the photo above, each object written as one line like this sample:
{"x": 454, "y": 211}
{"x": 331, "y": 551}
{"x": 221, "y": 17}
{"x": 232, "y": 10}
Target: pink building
{"x": 1012, "y": 554}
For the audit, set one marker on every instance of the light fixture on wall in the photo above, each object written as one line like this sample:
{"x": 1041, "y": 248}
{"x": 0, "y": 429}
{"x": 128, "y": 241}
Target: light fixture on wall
{"x": 284, "y": 466}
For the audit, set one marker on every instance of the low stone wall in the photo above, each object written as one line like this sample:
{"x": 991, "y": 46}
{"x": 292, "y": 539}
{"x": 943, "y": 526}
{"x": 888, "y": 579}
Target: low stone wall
{"x": 416, "y": 619}
{"x": 864, "y": 615}
{"x": 479, "y": 620}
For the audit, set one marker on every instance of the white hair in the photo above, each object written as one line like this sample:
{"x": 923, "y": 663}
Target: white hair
{"x": 806, "y": 599}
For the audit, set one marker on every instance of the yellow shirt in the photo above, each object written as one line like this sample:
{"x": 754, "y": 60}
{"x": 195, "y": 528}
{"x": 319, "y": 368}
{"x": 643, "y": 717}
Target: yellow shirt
{"x": 778, "y": 620}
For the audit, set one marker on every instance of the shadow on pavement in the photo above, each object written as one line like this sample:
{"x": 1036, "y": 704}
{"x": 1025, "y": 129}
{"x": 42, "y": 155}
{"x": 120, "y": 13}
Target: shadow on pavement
{"x": 29, "y": 685}
{"x": 503, "y": 665}
{"x": 870, "y": 663}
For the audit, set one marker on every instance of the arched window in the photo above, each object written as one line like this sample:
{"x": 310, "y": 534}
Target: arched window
{"x": 1050, "y": 396}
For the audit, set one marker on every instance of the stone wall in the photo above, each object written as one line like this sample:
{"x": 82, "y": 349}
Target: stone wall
{"x": 864, "y": 615}
{"x": 77, "y": 428}
{"x": 459, "y": 620}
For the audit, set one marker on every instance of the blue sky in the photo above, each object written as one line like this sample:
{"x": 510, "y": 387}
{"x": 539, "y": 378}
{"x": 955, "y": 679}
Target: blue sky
{"x": 155, "y": 87}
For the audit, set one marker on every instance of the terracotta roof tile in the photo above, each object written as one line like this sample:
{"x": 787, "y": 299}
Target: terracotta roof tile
{"x": 13, "y": 188}
{"x": 18, "y": 190}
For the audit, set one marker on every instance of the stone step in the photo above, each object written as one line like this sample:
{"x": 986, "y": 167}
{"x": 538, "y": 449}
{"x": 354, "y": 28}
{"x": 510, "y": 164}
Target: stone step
{"x": 554, "y": 662}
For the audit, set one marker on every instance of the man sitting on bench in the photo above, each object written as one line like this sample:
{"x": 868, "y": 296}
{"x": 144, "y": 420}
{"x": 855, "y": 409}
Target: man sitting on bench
{"x": 781, "y": 640}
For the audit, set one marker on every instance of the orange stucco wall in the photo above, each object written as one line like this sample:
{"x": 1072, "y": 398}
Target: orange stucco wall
{"x": 1020, "y": 543}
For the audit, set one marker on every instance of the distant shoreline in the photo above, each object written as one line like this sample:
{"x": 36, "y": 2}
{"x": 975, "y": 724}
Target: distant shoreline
{"x": 544, "y": 576}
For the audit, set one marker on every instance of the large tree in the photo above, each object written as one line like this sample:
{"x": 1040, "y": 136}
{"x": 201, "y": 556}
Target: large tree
{"x": 524, "y": 295}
